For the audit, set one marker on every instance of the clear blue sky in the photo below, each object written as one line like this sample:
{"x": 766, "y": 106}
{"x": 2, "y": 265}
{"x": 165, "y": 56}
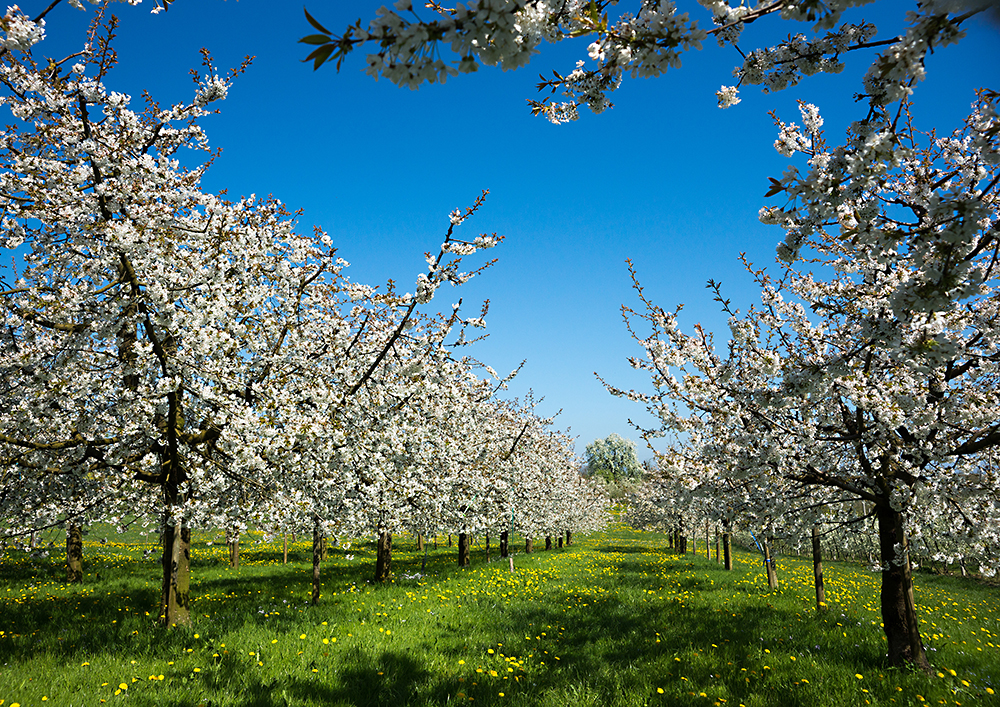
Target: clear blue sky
{"x": 665, "y": 178}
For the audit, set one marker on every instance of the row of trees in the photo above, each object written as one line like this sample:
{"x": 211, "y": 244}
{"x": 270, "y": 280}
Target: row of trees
{"x": 863, "y": 387}
{"x": 198, "y": 362}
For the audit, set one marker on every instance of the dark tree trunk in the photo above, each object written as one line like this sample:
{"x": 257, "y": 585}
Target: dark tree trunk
{"x": 175, "y": 598}
{"x": 420, "y": 542}
{"x": 383, "y": 557}
{"x": 708, "y": 541}
{"x": 449, "y": 539}
{"x": 772, "y": 572}
{"x": 727, "y": 552}
{"x": 548, "y": 542}
{"x": 284, "y": 548}
{"x": 529, "y": 545}
{"x": 899, "y": 614}
{"x": 504, "y": 549}
{"x": 560, "y": 542}
{"x": 463, "y": 550}
{"x": 487, "y": 546}
{"x": 694, "y": 543}
{"x": 683, "y": 545}
{"x": 670, "y": 539}
{"x": 569, "y": 537}
{"x": 717, "y": 544}
{"x": 818, "y": 570}
{"x": 74, "y": 554}
{"x": 317, "y": 557}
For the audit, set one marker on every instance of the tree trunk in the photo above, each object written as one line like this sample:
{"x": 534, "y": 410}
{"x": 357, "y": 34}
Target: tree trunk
{"x": 504, "y": 549}
{"x": 569, "y": 537}
{"x": 233, "y": 543}
{"x": 694, "y": 542}
{"x": 463, "y": 550}
{"x": 74, "y": 554}
{"x": 717, "y": 543}
{"x": 560, "y": 541}
{"x": 670, "y": 539}
{"x": 818, "y": 570}
{"x": 317, "y": 560}
{"x": 284, "y": 548}
{"x": 487, "y": 546}
{"x": 322, "y": 548}
{"x": 529, "y": 545}
{"x": 175, "y": 598}
{"x": 683, "y": 546}
{"x": 548, "y": 542}
{"x": 383, "y": 559}
{"x": 727, "y": 552}
{"x": 449, "y": 539}
{"x": 420, "y": 542}
{"x": 772, "y": 573}
{"x": 708, "y": 542}
{"x": 899, "y": 614}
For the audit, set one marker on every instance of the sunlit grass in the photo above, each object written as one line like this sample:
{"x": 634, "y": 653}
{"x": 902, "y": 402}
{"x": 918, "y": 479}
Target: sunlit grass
{"x": 616, "y": 619}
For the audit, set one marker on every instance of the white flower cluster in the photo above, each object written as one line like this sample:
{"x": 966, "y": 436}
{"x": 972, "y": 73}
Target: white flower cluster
{"x": 20, "y": 33}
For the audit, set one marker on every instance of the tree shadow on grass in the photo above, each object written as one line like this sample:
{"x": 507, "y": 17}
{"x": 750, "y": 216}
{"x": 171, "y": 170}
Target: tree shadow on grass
{"x": 388, "y": 678}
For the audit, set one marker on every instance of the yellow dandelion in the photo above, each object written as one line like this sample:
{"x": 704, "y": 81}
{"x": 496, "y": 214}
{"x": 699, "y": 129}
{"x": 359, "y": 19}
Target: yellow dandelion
{"x": 659, "y": 690}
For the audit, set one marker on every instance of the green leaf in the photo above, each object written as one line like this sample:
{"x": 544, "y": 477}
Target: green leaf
{"x": 321, "y": 55}
{"x": 314, "y": 23}
{"x": 316, "y": 39}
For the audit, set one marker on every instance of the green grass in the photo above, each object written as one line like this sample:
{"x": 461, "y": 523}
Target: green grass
{"x": 616, "y": 619}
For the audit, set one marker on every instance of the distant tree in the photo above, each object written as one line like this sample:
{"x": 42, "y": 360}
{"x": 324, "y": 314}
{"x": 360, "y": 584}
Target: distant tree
{"x": 613, "y": 459}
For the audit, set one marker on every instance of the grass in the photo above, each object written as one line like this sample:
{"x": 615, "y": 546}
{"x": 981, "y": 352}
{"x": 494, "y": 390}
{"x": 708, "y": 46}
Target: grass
{"x": 616, "y": 619}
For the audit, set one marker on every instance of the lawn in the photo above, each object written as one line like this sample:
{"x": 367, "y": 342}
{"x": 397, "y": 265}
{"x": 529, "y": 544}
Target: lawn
{"x": 615, "y": 619}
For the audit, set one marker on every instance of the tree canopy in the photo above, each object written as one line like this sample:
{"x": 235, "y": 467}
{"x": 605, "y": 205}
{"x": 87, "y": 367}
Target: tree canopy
{"x": 613, "y": 459}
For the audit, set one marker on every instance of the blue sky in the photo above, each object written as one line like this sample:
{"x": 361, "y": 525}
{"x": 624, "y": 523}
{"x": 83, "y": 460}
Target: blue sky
{"x": 665, "y": 178}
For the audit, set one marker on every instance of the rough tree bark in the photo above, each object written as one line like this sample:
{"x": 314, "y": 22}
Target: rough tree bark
{"x": 175, "y": 598}
{"x": 233, "y": 543}
{"x": 772, "y": 573}
{"x": 504, "y": 549}
{"x": 569, "y": 537}
{"x": 818, "y": 570}
{"x": 383, "y": 558}
{"x": 529, "y": 545}
{"x": 464, "y": 551}
{"x": 317, "y": 557}
{"x": 548, "y": 542}
{"x": 74, "y": 554}
{"x": 727, "y": 552}
{"x": 899, "y": 614}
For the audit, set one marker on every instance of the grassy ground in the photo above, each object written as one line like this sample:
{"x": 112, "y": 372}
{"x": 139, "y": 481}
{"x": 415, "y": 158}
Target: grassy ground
{"x": 616, "y": 619}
